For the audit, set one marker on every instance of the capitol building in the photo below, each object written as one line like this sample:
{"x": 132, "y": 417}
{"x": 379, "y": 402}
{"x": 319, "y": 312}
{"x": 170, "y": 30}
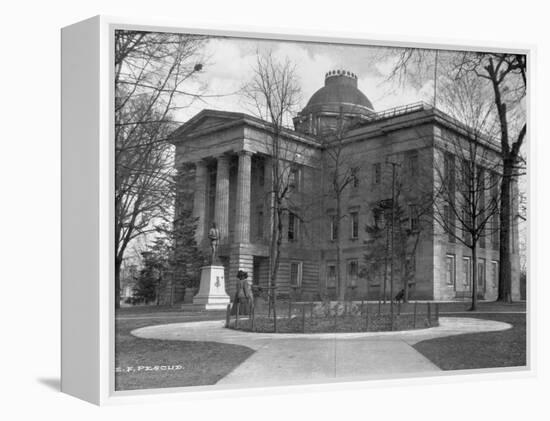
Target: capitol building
{"x": 225, "y": 171}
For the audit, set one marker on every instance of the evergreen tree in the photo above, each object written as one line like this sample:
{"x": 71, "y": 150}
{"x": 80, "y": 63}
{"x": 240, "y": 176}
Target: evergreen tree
{"x": 406, "y": 236}
{"x": 150, "y": 279}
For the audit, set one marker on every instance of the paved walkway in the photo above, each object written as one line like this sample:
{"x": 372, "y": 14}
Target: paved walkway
{"x": 289, "y": 358}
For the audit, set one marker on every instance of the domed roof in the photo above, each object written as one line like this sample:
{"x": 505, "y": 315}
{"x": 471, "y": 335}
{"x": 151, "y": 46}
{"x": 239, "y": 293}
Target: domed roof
{"x": 340, "y": 89}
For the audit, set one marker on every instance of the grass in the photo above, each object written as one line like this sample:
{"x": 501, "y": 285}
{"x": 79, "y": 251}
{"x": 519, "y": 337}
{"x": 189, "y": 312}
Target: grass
{"x": 341, "y": 323}
{"x": 483, "y": 307}
{"x": 480, "y": 350}
{"x": 150, "y": 363}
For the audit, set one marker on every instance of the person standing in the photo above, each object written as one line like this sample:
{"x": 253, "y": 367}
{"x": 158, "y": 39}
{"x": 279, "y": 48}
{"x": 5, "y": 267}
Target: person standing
{"x": 243, "y": 294}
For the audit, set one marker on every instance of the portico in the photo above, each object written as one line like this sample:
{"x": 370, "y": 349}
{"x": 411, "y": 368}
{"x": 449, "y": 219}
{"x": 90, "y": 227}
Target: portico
{"x": 230, "y": 189}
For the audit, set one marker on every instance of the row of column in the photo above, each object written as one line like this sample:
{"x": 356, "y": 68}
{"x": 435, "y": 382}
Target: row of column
{"x": 221, "y": 203}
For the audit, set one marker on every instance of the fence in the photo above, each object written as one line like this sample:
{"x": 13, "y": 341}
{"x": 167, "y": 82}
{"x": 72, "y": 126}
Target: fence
{"x": 292, "y": 316}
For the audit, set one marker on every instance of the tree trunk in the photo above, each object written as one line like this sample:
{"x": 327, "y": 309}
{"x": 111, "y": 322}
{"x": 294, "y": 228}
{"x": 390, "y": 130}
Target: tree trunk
{"x": 474, "y": 278}
{"x": 276, "y": 240}
{"x": 409, "y": 272}
{"x": 339, "y": 279}
{"x": 118, "y": 266}
{"x": 392, "y": 256}
{"x": 509, "y": 156}
{"x": 276, "y": 226}
{"x": 339, "y": 270}
{"x": 505, "y": 266}
{"x": 386, "y": 252}
{"x": 405, "y": 272}
{"x": 279, "y": 240}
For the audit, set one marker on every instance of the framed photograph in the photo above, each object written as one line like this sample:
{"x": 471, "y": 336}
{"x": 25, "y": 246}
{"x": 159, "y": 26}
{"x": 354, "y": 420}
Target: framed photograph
{"x": 252, "y": 210}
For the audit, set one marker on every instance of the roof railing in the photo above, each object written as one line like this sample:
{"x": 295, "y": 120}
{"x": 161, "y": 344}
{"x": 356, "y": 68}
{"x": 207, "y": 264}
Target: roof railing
{"x": 419, "y": 106}
{"x": 403, "y": 109}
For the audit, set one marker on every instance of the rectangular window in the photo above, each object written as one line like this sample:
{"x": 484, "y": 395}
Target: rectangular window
{"x": 481, "y": 274}
{"x": 354, "y": 175}
{"x": 449, "y": 224}
{"x": 481, "y": 185}
{"x": 467, "y": 272}
{"x": 331, "y": 275}
{"x": 482, "y": 205}
{"x": 353, "y": 271}
{"x": 450, "y": 269}
{"x": 293, "y": 224}
{"x": 483, "y": 230}
{"x": 465, "y": 170}
{"x": 377, "y": 173}
{"x": 296, "y": 273}
{"x": 413, "y": 217}
{"x": 494, "y": 184}
{"x": 464, "y": 226}
{"x": 411, "y": 265}
{"x": 333, "y": 228}
{"x": 294, "y": 179}
{"x": 449, "y": 174}
{"x": 494, "y": 270}
{"x": 259, "y": 223}
{"x": 413, "y": 163}
{"x": 354, "y": 225}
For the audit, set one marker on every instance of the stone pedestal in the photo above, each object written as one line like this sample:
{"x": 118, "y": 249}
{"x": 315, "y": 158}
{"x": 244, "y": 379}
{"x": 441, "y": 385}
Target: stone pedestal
{"x": 211, "y": 295}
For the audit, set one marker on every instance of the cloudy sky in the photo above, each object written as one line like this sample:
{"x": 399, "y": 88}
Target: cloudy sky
{"x": 229, "y": 63}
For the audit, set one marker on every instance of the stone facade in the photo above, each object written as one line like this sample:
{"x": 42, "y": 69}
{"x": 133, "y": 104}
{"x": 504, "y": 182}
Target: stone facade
{"x": 232, "y": 169}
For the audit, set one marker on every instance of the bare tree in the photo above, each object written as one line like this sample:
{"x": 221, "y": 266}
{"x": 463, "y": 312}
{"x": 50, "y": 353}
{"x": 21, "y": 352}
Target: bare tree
{"x": 274, "y": 93}
{"x": 151, "y": 70}
{"x": 343, "y": 172}
{"x": 506, "y": 75}
{"x": 466, "y": 174}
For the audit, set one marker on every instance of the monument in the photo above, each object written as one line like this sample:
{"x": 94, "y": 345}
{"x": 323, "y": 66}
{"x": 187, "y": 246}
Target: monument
{"x": 211, "y": 295}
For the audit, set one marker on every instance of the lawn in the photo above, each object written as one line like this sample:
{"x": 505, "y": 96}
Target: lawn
{"x": 480, "y": 350}
{"x": 151, "y": 363}
{"x": 148, "y": 363}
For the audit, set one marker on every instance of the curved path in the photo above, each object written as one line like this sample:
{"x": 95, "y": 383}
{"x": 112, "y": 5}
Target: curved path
{"x": 292, "y": 358}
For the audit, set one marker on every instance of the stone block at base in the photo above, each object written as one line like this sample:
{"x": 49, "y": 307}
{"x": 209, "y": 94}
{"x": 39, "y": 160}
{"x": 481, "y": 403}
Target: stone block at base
{"x": 211, "y": 295}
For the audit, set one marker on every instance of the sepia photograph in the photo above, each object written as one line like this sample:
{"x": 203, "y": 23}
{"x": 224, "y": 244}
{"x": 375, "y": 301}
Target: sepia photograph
{"x": 303, "y": 212}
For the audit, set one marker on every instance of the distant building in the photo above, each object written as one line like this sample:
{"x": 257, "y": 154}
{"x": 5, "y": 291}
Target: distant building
{"x": 224, "y": 160}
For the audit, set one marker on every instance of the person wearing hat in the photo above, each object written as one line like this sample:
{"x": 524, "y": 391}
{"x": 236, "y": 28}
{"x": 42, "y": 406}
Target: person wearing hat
{"x": 243, "y": 294}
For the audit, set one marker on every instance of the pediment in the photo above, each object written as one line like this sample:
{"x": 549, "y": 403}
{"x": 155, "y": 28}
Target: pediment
{"x": 206, "y": 121}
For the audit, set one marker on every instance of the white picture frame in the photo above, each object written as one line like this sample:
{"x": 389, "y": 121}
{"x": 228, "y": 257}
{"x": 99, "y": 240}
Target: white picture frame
{"x": 87, "y": 211}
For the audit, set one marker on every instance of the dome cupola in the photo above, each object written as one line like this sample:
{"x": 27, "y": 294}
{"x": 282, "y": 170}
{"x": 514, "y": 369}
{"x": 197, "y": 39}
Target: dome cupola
{"x": 339, "y": 97}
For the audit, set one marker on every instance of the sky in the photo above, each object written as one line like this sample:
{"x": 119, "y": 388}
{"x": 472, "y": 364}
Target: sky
{"x": 229, "y": 62}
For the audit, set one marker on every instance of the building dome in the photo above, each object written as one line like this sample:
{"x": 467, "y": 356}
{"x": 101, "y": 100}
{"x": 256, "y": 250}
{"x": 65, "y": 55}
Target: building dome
{"x": 339, "y": 97}
{"x": 340, "y": 90}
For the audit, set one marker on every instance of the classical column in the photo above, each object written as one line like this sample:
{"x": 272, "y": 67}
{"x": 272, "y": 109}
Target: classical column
{"x": 221, "y": 206}
{"x": 242, "y": 225}
{"x": 199, "y": 199}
